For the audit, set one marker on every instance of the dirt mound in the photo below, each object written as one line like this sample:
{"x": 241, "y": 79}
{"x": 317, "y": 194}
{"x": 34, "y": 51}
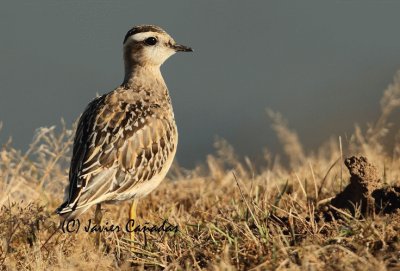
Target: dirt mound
{"x": 366, "y": 191}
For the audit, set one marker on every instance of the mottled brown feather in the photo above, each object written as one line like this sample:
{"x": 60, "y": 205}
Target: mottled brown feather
{"x": 132, "y": 138}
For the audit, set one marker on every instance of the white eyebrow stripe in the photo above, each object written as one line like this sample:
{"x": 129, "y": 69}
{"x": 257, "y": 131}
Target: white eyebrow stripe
{"x": 143, "y": 35}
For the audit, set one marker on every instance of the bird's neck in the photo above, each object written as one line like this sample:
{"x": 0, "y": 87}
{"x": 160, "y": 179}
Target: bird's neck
{"x": 143, "y": 76}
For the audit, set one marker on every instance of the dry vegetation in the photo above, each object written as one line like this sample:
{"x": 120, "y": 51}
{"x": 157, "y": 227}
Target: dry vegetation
{"x": 231, "y": 214}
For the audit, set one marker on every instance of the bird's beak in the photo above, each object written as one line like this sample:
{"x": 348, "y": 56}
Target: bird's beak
{"x": 181, "y": 48}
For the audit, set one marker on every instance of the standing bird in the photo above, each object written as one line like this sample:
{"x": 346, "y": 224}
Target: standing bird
{"x": 126, "y": 139}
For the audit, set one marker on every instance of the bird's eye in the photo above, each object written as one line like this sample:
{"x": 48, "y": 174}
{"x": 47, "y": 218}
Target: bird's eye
{"x": 151, "y": 41}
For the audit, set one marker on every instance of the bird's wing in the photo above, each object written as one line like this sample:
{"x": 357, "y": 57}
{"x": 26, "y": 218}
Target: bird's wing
{"x": 85, "y": 127}
{"x": 116, "y": 145}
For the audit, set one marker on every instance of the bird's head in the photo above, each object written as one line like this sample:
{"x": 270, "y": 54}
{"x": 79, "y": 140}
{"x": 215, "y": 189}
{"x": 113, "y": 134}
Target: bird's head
{"x": 149, "y": 45}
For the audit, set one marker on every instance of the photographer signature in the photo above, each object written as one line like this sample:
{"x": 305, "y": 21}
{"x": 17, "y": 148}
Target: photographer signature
{"x": 75, "y": 225}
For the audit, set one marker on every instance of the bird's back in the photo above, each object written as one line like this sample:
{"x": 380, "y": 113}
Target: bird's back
{"x": 124, "y": 145}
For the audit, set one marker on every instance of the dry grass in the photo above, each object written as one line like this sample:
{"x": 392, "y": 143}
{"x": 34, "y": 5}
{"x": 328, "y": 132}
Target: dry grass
{"x": 231, "y": 214}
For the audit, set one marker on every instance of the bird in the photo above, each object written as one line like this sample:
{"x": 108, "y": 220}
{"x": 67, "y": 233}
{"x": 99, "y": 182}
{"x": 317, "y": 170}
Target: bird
{"x": 126, "y": 139}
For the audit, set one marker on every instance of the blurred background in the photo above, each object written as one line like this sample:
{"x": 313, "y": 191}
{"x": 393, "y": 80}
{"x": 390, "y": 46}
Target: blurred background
{"x": 322, "y": 64}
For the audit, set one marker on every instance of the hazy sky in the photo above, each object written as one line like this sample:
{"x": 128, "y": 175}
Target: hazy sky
{"x": 322, "y": 64}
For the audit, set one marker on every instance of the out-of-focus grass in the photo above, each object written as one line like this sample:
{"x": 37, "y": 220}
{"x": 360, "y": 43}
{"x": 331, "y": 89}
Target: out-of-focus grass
{"x": 232, "y": 215}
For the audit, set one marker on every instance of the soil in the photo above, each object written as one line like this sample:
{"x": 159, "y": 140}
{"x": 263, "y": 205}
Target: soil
{"x": 366, "y": 192}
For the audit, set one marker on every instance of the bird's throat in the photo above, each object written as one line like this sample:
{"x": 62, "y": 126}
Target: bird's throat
{"x": 144, "y": 76}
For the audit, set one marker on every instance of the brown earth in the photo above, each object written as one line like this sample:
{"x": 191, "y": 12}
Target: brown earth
{"x": 366, "y": 192}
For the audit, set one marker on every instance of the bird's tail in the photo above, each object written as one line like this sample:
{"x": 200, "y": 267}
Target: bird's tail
{"x": 66, "y": 212}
